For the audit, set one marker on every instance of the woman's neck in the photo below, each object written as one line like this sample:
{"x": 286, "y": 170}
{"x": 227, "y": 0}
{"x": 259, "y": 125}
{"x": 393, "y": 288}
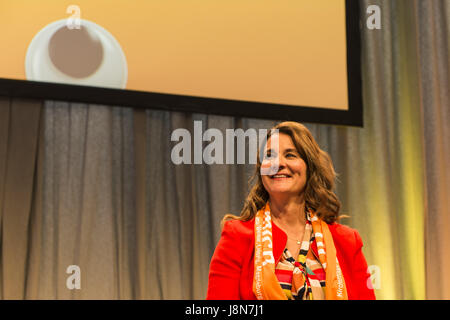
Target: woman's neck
{"x": 288, "y": 213}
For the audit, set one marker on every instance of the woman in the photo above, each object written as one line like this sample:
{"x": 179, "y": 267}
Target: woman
{"x": 286, "y": 244}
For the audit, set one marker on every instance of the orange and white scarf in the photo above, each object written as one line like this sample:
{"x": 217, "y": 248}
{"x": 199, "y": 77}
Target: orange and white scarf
{"x": 265, "y": 282}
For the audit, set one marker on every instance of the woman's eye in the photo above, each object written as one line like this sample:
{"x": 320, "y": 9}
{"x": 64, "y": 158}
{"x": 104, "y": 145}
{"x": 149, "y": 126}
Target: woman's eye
{"x": 269, "y": 156}
{"x": 289, "y": 155}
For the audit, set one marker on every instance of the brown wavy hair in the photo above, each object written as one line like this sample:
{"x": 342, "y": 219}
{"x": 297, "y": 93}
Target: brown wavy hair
{"x": 319, "y": 194}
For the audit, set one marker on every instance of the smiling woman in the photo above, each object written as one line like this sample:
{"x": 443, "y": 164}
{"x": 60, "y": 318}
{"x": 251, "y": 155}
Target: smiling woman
{"x": 287, "y": 244}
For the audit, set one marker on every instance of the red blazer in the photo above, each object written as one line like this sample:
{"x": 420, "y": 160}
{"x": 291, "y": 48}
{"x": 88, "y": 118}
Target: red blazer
{"x": 231, "y": 268}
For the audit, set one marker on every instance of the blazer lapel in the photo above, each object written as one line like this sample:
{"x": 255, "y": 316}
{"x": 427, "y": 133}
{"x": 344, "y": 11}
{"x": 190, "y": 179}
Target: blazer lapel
{"x": 279, "y": 239}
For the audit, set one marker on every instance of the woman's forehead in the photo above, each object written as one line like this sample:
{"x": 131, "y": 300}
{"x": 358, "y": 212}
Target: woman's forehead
{"x": 284, "y": 141}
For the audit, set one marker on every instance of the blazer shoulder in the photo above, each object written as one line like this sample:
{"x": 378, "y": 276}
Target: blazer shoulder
{"x": 237, "y": 236}
{"x": 345, "y": 235}
{"x": 341, "y": 229}
{"x": 239, "y": 227}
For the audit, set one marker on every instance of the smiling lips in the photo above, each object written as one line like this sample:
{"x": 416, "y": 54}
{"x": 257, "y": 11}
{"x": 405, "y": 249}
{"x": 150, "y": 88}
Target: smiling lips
{"x": 279, "y": 176}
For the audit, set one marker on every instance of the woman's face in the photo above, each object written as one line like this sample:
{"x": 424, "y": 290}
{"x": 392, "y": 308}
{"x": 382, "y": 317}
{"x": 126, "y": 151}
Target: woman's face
{"x": 290, "y": 179}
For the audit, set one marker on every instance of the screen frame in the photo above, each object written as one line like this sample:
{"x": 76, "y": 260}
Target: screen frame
{"x": 183, "y": 103}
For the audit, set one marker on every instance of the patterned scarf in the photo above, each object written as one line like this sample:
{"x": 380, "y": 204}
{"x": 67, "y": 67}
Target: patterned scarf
{"x": 303, "y": 279}
{"x": 265, "y": 282}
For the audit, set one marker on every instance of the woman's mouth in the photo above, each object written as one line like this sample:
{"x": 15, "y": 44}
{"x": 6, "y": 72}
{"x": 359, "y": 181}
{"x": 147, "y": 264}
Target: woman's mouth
{"x": 280, "y": 176}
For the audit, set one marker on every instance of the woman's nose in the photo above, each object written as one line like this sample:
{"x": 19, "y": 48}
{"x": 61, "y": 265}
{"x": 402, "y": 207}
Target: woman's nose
{"x": 281, "y": 161}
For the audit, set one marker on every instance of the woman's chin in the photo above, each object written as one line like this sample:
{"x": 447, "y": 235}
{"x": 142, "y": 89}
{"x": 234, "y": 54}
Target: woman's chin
{"x": 282, "y": 192}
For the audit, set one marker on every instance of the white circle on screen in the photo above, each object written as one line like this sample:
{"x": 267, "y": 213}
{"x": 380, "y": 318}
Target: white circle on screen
{"x": 89, "y": 55}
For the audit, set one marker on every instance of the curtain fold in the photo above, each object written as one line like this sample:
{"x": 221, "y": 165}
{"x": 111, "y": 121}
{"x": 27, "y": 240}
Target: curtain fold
{"x": 84, "y": 215}
{"x": 433, "y": 49}
{"x": 20, "y": 122}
